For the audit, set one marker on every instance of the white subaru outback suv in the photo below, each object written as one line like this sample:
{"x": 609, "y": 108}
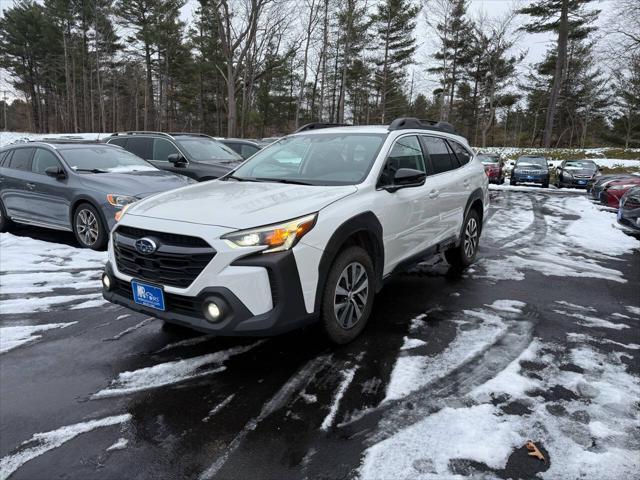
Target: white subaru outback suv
{"x": 305, "y": 230}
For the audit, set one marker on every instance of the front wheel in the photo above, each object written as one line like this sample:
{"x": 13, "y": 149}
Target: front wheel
{"x": 464, "y": 254}
{"x": 512, "y": 182}
{"x": 88, "y": 227}
{"x": 348, "y": 294}
{"x": 5, "y": 222}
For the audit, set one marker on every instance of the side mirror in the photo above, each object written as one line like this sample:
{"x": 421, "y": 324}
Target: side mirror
{"x": 55, "y": 172}
{"x": 406, "y": 177}
{"x": 177, "y": 159}
{"x": 600, "y": 169}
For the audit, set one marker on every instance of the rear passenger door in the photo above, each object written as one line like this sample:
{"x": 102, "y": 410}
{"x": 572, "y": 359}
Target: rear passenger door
{"x": 50, "y": 197}
{"x": 16, "y": 173}
{"x": 445, "y": 185}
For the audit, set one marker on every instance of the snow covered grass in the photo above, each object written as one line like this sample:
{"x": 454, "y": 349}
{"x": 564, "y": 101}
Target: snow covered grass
{"x": 559, "y": 154}
{"x": 7, "y": 138}
{"x": 32, "y": 273}
{"x": 13, "y": 337}
{"x": 41, "y": 443}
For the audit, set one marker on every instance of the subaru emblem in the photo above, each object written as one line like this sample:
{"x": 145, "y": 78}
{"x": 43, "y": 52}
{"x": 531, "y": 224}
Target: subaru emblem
{"x": 146, "y": 246}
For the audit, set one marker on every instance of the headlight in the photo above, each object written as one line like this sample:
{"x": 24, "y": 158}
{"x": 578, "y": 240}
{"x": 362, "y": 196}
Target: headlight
{"x": 120, "y": 200}
{"x": 277, "y": 238}
{"x": 120, "y": 213}
{"x": 621, "y": 187}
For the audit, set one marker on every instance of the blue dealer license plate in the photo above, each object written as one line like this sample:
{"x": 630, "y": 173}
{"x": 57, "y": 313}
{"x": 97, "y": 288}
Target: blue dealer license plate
{"x": 147, "y": 295}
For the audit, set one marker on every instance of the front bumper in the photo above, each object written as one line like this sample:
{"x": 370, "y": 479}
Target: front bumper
{"x": 574, "y": 182}
{"x": 520, "y": 178}
{"x": 288, "y": 310}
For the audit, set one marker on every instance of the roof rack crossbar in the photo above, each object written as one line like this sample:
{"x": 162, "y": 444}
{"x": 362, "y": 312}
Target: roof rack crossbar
{"x": 141, "y": 132}
{"x": 189, "y": 134}
{"x": 405, "y": 123}
{"x": 319, "y": 125}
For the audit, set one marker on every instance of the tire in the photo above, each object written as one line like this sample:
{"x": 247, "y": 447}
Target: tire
{"x": 545, "y": 184}
{"x": 89, "y": 228}
{"x": 342, "y": 324}
{"x": 5, "y": 222}
{"x": 512, "y": 182}
{"x": 501, "y": 181}
{"x": 464, "y": 254}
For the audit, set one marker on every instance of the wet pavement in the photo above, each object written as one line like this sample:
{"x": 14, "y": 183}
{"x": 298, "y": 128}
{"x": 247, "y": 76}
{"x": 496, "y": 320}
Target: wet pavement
{"x": 115, "y": 394}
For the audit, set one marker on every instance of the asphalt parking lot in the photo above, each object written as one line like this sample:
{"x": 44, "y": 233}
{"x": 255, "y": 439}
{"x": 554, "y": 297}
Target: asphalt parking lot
{"x": 455, "y": 372}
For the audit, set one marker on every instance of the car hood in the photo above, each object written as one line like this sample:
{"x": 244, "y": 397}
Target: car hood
{"x": 139, "y": 184}
{"x": 580, "y": 171}
{"x": 240, "y": 204}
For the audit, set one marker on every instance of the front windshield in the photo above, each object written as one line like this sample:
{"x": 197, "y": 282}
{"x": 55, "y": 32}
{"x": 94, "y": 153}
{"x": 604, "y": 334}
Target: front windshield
{"x": 580, "y": 165}
{"x": 531, "y": 161}
{"x": 489, "y": 159}
{"x": 202, "y": 149}
{"x": 100, "y": 159}
{"x": 314, "y": 159}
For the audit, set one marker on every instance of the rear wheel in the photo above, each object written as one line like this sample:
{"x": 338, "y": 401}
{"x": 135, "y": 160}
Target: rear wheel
{"x": 512, "y": 181}
{"x": 348, "y": 294}
{"x": 545, "y": 184}
{"x": 464, "y": 254}
{"x": 88, "y": 227}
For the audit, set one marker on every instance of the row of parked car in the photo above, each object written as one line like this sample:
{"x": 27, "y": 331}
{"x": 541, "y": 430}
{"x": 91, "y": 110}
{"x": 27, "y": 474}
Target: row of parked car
{"x": 622, "y": 193}
{"x": 77, "y": 185}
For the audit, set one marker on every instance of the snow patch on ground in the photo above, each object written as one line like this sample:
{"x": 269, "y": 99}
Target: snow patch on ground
{"x": 219, "y": 407}
{"x": 119, "y": 444}
{"x": 170, "y": 373}
{"x": 34, "y": 272}
{"x": 13, "y": 337}
{"x": 347, "y": 378}
{"x": 410, "y": 343}
{"x": 634, "y": 310}
{"x": 413, "y": 372}
{"x": 575, "y": 307}
{"x": 593, "y": 322}
{"x": 41, "y": 443}
{"x": 513, "y": 306}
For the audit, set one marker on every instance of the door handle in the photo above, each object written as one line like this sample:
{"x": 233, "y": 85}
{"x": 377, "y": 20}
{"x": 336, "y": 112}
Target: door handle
{"x": 434, "y": 194}
{"x": 31, "y": 186}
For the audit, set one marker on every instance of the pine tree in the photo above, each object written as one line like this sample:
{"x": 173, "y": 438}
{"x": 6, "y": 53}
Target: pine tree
{"x": 568, "y": 19}
{"x": 394, "y": 22}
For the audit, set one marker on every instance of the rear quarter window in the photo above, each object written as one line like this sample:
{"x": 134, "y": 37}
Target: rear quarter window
{"x": 142, "y": 147}
{"x": 462, "y": 154}
{"x": 21, "y": 159}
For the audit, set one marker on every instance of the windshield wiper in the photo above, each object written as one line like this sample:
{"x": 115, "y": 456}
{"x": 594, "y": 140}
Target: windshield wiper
{"x": 282, "y": 180}
{"x": 91, "y": 170}
{"x": 240, "y": 179}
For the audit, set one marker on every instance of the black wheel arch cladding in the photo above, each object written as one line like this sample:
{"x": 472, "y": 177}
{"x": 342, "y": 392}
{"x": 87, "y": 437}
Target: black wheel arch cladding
{"x": 476, "y": 196}
{"x": 365, "y": 223}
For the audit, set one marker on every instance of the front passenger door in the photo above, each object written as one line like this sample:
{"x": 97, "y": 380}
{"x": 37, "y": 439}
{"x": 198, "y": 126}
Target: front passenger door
{"x": 50, "y": 199}
{"x": 409, "y": 221}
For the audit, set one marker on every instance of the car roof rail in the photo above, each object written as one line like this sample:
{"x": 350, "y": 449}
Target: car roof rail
{"x": 189, "y": 134}
{"x": 406, "y": 123}
{"x": 66, "y": 139}
{"x": 319, "y": 125}
{"x": 141, "y": 132}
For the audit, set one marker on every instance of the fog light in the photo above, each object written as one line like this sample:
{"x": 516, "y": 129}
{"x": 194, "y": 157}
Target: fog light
{"x": 214, "y": 311}
{"x": 106, "y": 282}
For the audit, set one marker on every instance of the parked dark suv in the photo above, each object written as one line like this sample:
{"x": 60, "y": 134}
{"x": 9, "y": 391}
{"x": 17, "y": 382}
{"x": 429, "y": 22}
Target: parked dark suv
{"x": 195, "y": 155}
{"x": 245, "y": 148}
{"x": 531, "y": 169}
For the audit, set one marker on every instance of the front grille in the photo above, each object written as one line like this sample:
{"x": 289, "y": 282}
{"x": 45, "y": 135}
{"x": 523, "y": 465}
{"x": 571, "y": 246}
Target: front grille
{"x": 177, "y": 261}
{"x": 531, "y": 172}
{"x": 583, "y": 177}
{"x": 188, "y": 306}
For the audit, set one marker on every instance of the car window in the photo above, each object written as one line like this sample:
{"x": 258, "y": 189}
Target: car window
{"x": 121, "y": 142}
{"x": 203, "y": 149}
{"x": 334, "y": 158}
{"x": 21, "y": 159}
{"x": 405, "y": 153}
{"x": 462, "y": 153}
{"x": 2, "y": 157}
{"x": 439, "y": 153}
{"x": 42, "y": 160}
{"x": 103, "y": 159}
{"x": 247, "y": 150}
{"x": 142, "y": 147}
{"x": 162, "y": 148}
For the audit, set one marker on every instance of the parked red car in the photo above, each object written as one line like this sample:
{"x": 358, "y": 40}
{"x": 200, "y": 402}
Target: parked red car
{"x": 492, "y": 167}
{"x": 614, "y": 191}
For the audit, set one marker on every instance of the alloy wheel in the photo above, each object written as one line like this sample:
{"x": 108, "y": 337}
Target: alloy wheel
{"x": 470, "y": 242}
{"x": 87, "y": 227}
{"x": 352, "y": 291}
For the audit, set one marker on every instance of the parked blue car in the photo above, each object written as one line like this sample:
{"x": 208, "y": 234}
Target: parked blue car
{"x": 77, "y": 186}
{"x": 531, "y": 169}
